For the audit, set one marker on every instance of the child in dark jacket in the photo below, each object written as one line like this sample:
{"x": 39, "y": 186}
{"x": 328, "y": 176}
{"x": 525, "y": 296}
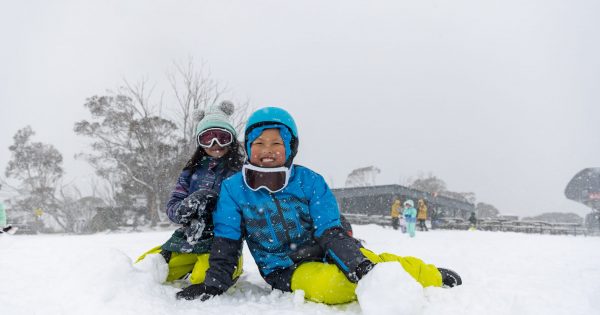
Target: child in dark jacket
{"x": 192, "y": 202}
{"x": 291, "y": 223}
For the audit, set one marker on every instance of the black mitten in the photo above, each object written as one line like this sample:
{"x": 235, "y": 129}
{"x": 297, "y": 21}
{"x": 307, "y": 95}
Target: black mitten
{"x": 194, "y": 231}
{"x": 200, "y": 290}
{"x": 203, "y": 199}
{"x": 196, "y": 205}
{"x": 184, "y": 212}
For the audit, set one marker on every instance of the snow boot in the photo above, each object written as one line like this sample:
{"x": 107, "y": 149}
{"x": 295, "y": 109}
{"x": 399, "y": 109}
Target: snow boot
{"x": 450, "y": 278}
{"x": 10, "y": 229}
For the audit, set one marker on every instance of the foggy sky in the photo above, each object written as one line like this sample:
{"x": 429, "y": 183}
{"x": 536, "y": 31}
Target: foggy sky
{"x": 499, "y": 98}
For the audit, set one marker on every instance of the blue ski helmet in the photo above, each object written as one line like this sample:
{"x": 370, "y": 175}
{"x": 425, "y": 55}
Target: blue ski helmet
{"x": 273, "y": 117}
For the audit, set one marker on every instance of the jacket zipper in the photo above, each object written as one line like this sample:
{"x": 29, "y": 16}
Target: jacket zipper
{"x": 283, "y": 222}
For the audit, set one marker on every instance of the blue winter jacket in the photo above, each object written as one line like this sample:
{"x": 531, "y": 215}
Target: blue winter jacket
{"x": 275, "y": 225}
{"x": 410, "y": 215}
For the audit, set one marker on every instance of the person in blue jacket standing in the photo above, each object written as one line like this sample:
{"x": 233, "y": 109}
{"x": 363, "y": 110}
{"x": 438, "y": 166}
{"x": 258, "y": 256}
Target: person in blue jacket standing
{"x": 3, "y": 227}
{"x": 291, "y": 223}
{"x": 2, "y": 215}
{"x": 410, "y": 216}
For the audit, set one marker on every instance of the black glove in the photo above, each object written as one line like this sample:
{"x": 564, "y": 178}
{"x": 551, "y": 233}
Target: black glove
{"x": 195, "y": 205}
{"x": 364, "y": 268}
{"x": 200, "y": 290}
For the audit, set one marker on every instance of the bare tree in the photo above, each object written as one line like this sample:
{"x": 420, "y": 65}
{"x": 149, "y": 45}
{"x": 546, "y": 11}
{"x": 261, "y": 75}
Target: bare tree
{"x": 195, "y": 90}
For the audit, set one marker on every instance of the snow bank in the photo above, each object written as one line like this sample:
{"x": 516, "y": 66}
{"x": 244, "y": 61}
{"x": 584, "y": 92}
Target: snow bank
{"x": 388, "y": 290}
{"x": 503, "y": 273}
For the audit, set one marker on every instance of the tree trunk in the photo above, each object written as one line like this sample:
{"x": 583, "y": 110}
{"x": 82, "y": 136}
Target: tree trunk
{"x": 151, "y": 206}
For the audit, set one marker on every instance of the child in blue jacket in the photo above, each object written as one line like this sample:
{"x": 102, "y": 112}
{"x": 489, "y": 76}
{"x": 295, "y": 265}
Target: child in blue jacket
{"x": 218, "y": 155}
{"x": 291, "y": 223}
{"x": 410, "y": 216}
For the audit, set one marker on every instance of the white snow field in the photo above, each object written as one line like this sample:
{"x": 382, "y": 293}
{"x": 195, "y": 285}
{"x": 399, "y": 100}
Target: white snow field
{"x": 503, "y": 273}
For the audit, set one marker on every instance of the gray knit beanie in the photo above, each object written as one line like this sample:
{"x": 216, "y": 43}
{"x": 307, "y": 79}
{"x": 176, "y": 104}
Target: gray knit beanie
{"x": 216, "y": 117}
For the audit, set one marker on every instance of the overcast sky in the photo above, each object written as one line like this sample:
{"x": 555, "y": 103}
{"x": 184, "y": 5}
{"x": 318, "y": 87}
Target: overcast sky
{"x": 499, "y": 98}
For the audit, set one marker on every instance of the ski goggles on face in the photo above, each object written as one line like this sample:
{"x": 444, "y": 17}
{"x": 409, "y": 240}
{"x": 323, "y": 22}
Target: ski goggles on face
{"x": 208, "y": 137}
{"x": 272, "y": 179}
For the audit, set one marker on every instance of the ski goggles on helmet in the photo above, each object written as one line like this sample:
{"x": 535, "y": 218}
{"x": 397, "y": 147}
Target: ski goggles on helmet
{"x": 272, "y": 179}
{"x": 208, "y": 137}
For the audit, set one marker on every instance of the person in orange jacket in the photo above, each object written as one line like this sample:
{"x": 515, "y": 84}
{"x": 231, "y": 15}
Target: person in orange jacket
{"x": 422, "y": 215}
{"x": 395, "y": 213}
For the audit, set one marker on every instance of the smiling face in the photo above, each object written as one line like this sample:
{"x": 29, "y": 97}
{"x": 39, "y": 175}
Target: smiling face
{"x": 216, "y": 151}
{"x": 268, "y": 150}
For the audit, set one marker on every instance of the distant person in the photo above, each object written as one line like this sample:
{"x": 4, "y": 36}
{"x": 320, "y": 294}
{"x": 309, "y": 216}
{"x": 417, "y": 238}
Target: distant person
{"x": 3, "y": 227}
{"x": 218, "y": 155}
{"x": 473, "y": 221}
{"x": 2, "y": 215}
{"x": 410, "y": 216}
{"x": 395, "y": 213}
{"x": 422, "y": 215}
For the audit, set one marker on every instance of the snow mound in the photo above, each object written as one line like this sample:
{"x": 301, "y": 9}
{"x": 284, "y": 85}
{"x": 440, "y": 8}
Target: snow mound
{"x": 388, "y": 289}
{"x": 155, "y": 267}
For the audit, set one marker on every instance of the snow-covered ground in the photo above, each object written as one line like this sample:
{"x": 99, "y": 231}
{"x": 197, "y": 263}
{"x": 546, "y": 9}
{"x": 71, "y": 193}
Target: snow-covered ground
{"x": 503, "y": 273}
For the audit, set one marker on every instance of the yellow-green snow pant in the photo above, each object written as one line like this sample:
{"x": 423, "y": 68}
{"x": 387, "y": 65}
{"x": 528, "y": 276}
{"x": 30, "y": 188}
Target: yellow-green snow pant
{"x": 325, "y": 283}
{"x": 181, "y": 264}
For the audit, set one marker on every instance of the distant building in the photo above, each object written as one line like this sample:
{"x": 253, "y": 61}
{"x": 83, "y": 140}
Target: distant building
{"x": 377, "y": 200}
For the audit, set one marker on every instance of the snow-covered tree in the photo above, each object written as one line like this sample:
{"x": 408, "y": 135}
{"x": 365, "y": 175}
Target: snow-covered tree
{"x": 362, "y": 177}
{"x": 485, "y": 210}
{"x": 37, "y": 167}
{"x": 430, "y": 183}
{"x": 140, "y": 145}
{"x": 133, "y": 144}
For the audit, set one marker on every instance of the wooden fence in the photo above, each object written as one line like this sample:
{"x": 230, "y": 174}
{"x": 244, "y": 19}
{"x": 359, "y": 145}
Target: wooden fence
{"x": 532, "y": 227}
